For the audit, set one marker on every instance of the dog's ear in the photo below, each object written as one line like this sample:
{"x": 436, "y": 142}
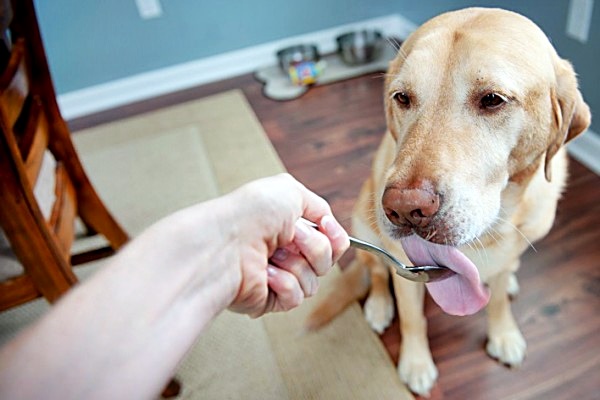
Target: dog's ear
{"x": 571, "y": 114}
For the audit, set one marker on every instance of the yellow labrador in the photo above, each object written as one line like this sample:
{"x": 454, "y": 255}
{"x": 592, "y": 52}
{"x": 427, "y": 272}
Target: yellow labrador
{"x": 478, "y": 107}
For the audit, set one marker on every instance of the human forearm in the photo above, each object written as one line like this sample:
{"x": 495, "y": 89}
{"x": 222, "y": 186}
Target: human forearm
{"x": 163, "y": 289}
{"x": 122, "y": 333}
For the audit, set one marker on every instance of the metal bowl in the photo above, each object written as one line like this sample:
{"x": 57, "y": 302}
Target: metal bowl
{"x": 297, "y": 54}
{"x": 360, "y": 47}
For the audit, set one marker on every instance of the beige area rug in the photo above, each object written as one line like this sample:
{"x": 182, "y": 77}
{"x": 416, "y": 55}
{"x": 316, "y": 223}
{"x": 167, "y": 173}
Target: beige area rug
{"x": 150, "y": 165}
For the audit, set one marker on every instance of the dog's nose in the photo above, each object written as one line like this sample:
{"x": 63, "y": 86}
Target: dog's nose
{"x": 414, "y": 206}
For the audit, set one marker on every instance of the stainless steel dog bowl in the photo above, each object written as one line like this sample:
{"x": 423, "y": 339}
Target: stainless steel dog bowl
{"x": 360, "y": 47}
{"x": 297, "y": 54}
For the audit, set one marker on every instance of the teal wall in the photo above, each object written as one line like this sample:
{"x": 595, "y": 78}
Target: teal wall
{"x": 92, "y": 42}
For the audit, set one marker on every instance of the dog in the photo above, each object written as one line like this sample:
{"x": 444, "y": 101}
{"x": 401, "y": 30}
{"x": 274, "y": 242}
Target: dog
{"x": 478, "y": 108}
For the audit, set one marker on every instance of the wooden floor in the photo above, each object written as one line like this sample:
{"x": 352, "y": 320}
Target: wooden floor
{"x": 327, "y": 138}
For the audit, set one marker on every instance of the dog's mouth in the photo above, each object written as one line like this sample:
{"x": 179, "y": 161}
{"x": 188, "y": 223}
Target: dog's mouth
{"x": 462, "y": 293}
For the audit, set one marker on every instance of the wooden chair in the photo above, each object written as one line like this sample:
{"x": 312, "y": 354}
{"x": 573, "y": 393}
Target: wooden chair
{"x": 33, "y": 132}
{"x": 32, "y": 129}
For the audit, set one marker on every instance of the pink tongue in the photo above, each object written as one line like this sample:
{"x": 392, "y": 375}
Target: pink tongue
{"x": 461, "y": 294}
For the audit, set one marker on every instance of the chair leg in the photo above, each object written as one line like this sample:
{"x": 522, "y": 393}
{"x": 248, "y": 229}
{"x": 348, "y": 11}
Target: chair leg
{"x": 96, "y": 216}
{"x": 172, "y": 389}
{"x": 91, "y": 255}
{"x": 49, "y": 272}
{"x": 89, "y": 231}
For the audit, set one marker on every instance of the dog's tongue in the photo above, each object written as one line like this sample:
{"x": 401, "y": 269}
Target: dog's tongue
{"x": 462, "y": 293}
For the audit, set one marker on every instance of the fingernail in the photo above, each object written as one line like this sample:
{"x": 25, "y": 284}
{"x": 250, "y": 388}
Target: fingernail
{"x": 271, "y": 271}
{"x": 331, "y": 227}
{"x": 302, "y": 230}
{"x": 280, "y": 255}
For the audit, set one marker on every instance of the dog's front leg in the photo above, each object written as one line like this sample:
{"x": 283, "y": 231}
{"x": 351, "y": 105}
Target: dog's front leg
{"x": 416, "y": 367}
{"x": 505, "y": 341}
{"x": 379, "y": 307}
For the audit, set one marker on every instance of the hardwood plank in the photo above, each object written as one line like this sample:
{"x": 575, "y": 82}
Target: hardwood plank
{"x": 326, "y": 139}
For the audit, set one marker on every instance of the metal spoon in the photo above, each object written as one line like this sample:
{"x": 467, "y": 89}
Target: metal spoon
{"x": 424, "y": 273}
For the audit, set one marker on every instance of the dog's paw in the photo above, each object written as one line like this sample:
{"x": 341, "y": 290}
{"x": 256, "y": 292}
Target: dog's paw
{"x": 508, "y": 348}
{"x": 419, "y": 374}
{"x": 379, "y": 312}
{"x": 512, "y": 288}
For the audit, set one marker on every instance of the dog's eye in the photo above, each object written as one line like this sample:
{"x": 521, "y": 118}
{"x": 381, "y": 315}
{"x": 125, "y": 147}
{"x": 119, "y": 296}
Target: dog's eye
{"x": 402, "y": 99}
{"x": 491, "y": 101}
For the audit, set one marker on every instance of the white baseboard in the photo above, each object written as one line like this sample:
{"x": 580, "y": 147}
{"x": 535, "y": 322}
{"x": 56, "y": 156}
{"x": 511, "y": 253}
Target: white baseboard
{"x": 586, "y": 150}
{"x": 183, "y": 76}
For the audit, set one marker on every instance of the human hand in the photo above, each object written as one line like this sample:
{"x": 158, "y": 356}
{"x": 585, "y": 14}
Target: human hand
{"x": 246, "y": 251}
{"x": 280, "y": 257}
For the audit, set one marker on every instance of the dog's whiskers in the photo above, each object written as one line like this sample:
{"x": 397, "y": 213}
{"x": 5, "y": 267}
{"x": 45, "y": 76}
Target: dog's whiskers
{"x": 378, "y": 75}
{"x": 495, "y": 234}
{"x": 393, "y": 42}
{"x": 481, "y": 250}
{"x": 471, "y": 244}
{"x": 513, "y": 226}
{"x": 431, "y": 234}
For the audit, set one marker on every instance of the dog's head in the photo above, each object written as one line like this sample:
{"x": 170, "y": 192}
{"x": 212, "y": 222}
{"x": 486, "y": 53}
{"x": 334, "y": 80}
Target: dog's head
{"x": 476, "y": 99}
